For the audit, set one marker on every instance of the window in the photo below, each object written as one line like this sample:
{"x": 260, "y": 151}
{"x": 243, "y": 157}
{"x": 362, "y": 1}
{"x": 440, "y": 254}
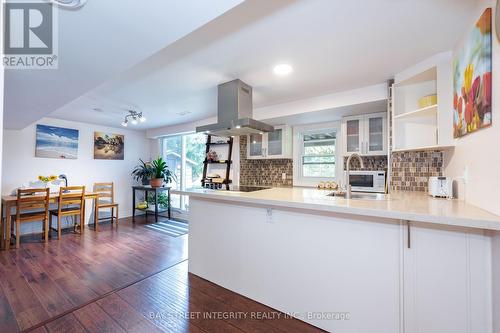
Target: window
{"x": 315, "y": 153}
{"x": 184, "y": 155}
{"x": 318, "y": 154}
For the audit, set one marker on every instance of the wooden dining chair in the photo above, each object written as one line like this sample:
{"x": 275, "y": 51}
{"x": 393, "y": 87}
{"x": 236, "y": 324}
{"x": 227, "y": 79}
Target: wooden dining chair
{"x": 71, "y": 202}
{"x": 32, "y": 205}
{"x": 105, "y": 200}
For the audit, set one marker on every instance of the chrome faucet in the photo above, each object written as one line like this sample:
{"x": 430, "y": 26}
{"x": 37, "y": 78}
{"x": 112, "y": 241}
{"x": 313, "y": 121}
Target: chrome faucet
{"x": 348, "y": 185}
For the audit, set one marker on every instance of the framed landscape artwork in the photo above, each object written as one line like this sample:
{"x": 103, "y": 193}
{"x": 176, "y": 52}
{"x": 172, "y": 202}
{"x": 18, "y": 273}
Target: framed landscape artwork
{"x": 56, "y": 142}
{"x": 472, "y": 77}
{"x": 109, "y": 146}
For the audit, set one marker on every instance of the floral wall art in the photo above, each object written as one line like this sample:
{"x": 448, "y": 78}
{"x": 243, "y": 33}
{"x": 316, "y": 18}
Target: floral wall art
{"x": 472, "y": 71}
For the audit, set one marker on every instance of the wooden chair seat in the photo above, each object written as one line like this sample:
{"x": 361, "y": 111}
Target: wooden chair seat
{"x": 106, "y": 204}
{"x": 28, "y": 217}
{"x": 66, "y": 211}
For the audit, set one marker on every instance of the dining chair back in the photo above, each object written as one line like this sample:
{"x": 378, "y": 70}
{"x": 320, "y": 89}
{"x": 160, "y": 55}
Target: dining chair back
{"x": 71, "y": 202}
{"x": 106, "y": 200}
{"x": 32, "y": 205}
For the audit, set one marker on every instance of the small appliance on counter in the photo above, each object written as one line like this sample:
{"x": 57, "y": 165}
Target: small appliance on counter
{"x": 441, "y": 187}
{"x": 367, "y": 181}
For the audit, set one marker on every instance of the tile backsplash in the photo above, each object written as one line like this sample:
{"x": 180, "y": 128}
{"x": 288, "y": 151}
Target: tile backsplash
{"x": 411, "y": 170}
{"x": 265, "y": 172}
{"x": 369, "y": 162}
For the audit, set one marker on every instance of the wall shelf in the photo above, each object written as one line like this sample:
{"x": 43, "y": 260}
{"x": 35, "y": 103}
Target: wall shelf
{"x": 428, "y": 128}
{"x": 425, "y": 148}
{"x": 423, "y": 112}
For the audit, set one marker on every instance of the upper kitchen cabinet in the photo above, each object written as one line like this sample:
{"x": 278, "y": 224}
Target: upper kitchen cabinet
{"x": 422, "y": 104}
{"x": 276, "y": 144}
{"x": 365, "y": 134}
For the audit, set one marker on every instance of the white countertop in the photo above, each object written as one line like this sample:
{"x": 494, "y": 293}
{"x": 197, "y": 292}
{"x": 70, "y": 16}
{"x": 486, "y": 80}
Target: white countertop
{"x": 412, "y": 206}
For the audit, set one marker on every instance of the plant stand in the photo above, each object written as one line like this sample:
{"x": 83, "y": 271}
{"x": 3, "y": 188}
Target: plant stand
{"x": 156, "y": 191}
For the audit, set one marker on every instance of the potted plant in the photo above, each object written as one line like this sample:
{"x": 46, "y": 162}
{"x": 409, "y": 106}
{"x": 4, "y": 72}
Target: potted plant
{"x": 143, "y": 172}
{"x": 160, "y": 173}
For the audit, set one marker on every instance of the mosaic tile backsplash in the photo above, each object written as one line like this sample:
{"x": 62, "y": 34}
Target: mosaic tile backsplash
{"x": 411, "y": 170}
{"x": 374, "y": 163}
{"x": 264, "y": 172}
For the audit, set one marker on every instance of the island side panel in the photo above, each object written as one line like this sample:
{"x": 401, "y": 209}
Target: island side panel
{"x": 302, "y": 263}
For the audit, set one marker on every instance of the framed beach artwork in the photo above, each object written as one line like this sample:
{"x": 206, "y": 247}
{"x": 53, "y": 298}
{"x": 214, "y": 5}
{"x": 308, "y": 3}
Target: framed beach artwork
{"x": 56, "y": 142}
{"x": 472, "y": 77}
{"x": 109, "y": 146}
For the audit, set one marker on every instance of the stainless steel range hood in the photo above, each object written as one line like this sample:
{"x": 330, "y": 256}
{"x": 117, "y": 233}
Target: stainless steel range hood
{"x": 234, "y": 101}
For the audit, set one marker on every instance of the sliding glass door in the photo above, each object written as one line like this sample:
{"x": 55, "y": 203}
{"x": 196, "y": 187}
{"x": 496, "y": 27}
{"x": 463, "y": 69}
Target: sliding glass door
{"x": 184, "y": 155}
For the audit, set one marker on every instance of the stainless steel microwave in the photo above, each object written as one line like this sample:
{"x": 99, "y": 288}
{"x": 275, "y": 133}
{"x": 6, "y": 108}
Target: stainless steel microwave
{"x": 367, "y": 181}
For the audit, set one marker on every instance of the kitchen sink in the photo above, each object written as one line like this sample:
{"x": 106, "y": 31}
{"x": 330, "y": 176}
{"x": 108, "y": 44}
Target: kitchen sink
{"x": 363, "y": 196}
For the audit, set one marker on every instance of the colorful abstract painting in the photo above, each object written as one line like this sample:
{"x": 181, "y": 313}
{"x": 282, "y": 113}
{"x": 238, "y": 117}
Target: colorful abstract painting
{"x": 56, "y": 142}
{"x": 109, "y": 146}
{"x": 472, "y": 79}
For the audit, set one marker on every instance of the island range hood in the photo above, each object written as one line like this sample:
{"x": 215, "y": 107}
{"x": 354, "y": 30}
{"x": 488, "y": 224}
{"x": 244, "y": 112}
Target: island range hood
{"x": 234, "y": 110}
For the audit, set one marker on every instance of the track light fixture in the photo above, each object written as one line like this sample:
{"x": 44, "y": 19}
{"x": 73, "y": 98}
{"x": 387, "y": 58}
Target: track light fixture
{"x": 134, "y": 117}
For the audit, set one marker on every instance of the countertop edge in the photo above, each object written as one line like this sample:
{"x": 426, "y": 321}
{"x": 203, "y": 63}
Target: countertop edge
{"x": 370, "y": 212}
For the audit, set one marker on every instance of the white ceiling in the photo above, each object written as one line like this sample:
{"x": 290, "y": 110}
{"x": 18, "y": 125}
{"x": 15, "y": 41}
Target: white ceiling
{"x": 97, "y": 42}
{"x": 333, "y": 45}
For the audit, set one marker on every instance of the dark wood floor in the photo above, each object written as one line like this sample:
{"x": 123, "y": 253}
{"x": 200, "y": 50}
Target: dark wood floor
{"x": 130, "y": 279}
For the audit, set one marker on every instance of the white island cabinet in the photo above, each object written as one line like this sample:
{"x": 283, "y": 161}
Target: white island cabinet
{"x": 349, "y": 266}
{"x": 308, "y": 265}
{"x": 447, "y": 280}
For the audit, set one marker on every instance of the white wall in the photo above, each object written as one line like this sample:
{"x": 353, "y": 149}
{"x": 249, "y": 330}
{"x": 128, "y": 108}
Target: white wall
{"x": 21, "y": 166}
{"x": 478, "y": 152}
{"x": 1, "y": 92}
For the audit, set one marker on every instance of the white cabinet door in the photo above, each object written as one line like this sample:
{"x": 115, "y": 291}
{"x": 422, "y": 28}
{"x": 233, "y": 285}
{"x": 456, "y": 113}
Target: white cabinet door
{"x": 255, "y": 146}
{"x": 353, "y": 137}
{"x": 275, "y": 141}
{"x": 375, "y": 138}
{"x": 365, "y": 135}
{"x": 446, "y": 280}
{"x": 276, "y": 144}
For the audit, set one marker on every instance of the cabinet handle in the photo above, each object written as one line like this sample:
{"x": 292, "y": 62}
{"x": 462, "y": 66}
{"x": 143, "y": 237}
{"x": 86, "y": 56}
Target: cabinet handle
{"x": 408, "y": 234}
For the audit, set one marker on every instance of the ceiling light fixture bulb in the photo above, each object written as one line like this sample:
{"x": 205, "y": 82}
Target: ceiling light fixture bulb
{"x": 125, "y": 123}
{"x": 142, "y": 119}
{"x": 134, "y": 121}
{"x": 282, "y": 69}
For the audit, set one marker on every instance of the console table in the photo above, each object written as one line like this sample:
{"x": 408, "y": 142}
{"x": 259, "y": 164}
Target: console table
{"x": 156, "y": 191}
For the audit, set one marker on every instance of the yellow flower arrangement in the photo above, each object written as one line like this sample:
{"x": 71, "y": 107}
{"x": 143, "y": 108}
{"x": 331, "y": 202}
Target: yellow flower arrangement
{"x": 47, "y": 179}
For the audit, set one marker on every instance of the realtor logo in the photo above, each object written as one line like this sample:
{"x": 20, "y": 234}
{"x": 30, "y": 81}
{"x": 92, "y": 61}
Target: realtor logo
{"x": 30, "y": 38}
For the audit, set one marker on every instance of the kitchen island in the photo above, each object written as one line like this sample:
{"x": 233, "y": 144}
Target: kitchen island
{"x": 406, "y": 264}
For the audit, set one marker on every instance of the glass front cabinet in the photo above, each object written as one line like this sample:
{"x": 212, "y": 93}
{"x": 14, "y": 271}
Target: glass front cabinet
{"x": 365, "y": 134}
{"x": 277, "y": 144}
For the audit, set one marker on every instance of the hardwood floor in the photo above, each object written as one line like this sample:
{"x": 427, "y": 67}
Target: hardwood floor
{"x": 133, "y": 279}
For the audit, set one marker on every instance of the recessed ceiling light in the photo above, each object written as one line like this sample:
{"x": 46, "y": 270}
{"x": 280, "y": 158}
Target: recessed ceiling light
{"x": 282, "y": 69}
{"x": 183, "y": 113}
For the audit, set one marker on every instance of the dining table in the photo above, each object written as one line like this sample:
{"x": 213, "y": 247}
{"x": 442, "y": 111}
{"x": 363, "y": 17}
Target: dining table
{"x": 10, "y": 201}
